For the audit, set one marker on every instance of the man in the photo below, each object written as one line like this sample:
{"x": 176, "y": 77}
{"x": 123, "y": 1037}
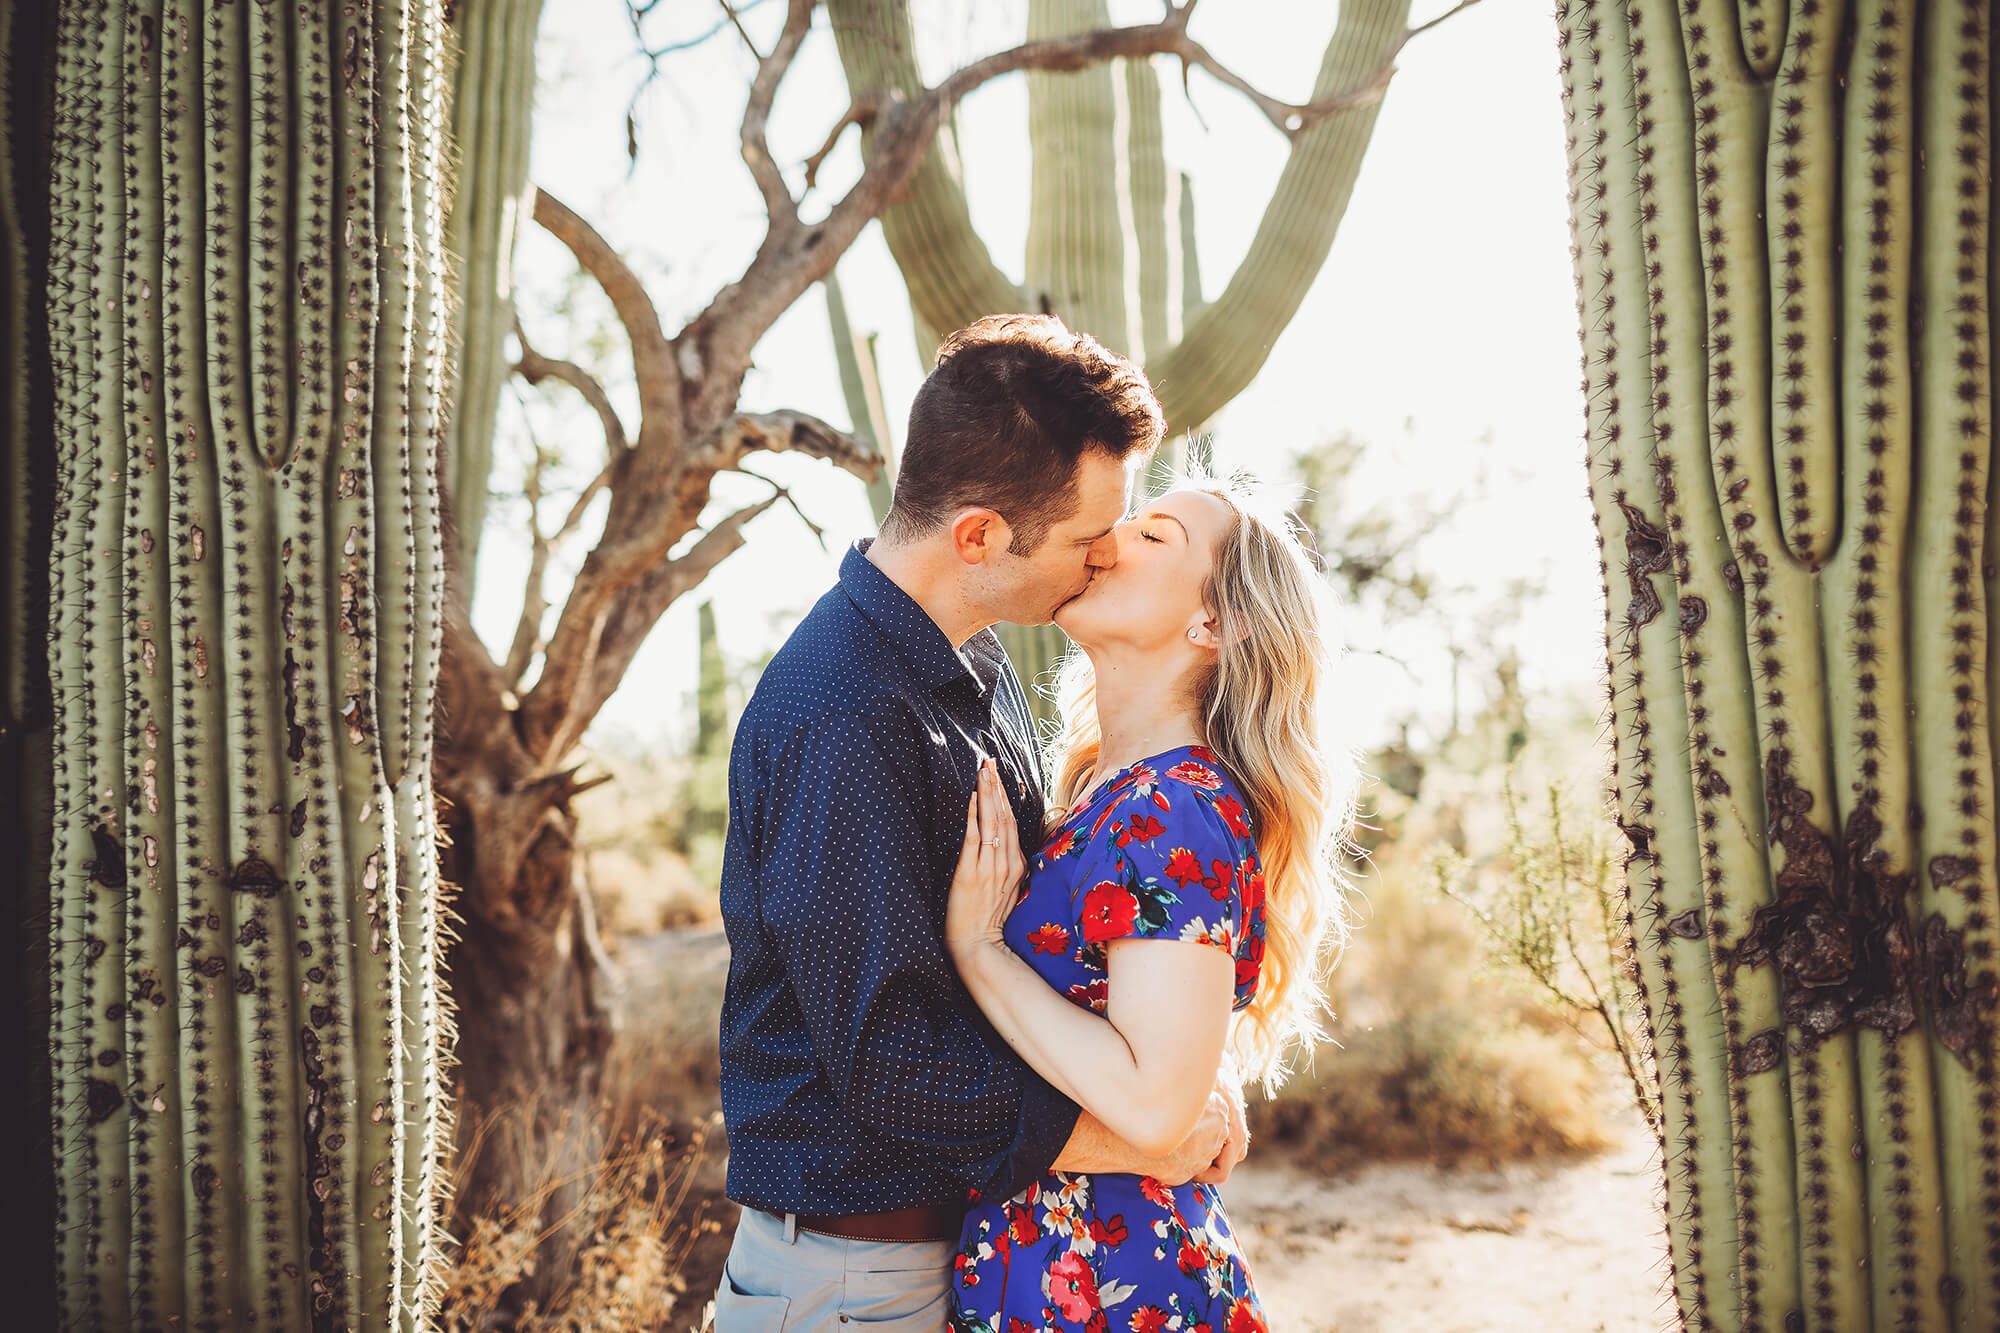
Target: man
{"x": 866, "y": 1097}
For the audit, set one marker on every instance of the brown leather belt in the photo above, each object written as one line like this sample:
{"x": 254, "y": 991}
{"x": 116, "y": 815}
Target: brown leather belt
{"x": 920, "y": 1222}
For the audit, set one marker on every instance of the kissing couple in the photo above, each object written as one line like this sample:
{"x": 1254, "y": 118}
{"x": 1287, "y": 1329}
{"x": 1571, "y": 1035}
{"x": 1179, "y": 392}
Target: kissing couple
{"x": 992, "y": 996}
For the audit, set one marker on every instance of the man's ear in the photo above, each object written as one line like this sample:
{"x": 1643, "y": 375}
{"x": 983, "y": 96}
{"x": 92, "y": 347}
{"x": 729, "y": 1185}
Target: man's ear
{"x": 978, "y": 534}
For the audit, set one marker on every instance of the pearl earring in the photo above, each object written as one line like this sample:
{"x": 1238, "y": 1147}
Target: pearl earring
{"x": 1190, "y": 634}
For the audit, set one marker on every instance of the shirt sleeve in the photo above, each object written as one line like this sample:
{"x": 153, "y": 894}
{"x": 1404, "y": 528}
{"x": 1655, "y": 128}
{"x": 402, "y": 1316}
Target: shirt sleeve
{"x": 854, "y": 906}
{"x": 1176, "y": 862}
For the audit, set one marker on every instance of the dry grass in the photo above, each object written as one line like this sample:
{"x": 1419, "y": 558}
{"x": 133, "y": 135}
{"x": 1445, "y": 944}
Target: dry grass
{"x": 601, "y": 1241}
{"x": 1442, "y": 1051}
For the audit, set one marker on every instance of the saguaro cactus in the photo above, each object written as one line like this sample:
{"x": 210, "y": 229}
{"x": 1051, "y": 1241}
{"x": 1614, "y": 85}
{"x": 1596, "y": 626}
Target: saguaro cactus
{"x": 246, "y": 337}
{"x": 1110, "y": 245}
{"x": 1782, "y": 218}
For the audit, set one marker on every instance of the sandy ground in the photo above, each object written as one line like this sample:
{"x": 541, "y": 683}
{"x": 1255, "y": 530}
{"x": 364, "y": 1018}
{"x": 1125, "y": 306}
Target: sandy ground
{"x": 1573, "y": 1246}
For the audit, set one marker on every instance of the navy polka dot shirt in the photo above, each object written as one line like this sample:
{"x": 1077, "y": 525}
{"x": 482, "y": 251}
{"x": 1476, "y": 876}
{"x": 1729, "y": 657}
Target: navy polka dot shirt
{"x": 857, "y": 1075}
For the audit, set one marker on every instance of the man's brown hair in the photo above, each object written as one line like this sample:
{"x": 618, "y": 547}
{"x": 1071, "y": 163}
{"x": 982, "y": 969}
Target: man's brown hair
{"x": 1005, "y": 417}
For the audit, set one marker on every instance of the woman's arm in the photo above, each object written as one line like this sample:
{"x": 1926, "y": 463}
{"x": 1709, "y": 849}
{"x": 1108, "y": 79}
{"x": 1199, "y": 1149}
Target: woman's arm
{"x": 1147, "y": 1066}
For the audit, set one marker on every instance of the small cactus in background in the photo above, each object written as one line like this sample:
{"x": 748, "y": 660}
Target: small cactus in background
{"x": 492, "y": 119}
{"x": 1782, "y": 228}
{"x": 246, "y": 333}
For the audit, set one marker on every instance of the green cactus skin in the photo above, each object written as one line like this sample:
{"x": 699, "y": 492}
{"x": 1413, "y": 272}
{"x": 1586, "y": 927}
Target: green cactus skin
{"x": 861, "y": 386}
{"x": 492, "y": 115}
{"x": 246, "y": 339}
{"x": 1819, "y": 461}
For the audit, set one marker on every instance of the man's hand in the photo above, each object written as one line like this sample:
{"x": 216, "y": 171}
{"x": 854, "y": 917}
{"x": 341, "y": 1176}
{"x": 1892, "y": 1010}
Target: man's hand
{"x": 1236, "y": 1146}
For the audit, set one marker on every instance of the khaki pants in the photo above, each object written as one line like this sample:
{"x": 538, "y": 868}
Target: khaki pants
{"x": 781, "y": 1278}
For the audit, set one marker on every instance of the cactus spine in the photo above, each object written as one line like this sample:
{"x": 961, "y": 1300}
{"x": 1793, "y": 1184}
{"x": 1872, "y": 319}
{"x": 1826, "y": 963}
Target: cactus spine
{"x": 1798, "y": 502}
{"x": 246, "y": 341}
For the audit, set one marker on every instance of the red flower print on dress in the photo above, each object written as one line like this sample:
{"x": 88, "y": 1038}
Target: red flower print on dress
{"x": 1060, "y": 845}
{"x": 1193, "y": 1258}
{"x": 1243, "y": 1318}
{"x": 1183, "y": 865}
{"x": 1021, "y": 1226}
{"x": 1049, "y": 938}
{"x": 1232, "y": 814}
{"x": 1072, "y": 1286}
{"x": 1148, "y": 1319}
{"x": 1108, "y": 912}
{"x": 1221, "y": 874}
{"x": 1196, "y": 775}
{"x": 1251, "y": 963}
{"x": 1108, "y": 1233}
{"x": 1143, "y": 828}
{"x": 1096, "y": 993}
{"x": 1250, "y": 879}
{"x": 1155, "y": 1192}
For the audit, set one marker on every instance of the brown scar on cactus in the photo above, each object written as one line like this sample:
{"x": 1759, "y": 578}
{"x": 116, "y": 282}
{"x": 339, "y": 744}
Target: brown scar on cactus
{"x": 1838, "y": 929}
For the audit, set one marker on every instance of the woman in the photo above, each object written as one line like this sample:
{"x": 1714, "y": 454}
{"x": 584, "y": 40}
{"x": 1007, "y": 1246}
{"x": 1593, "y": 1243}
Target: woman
{"x": 1178, "y": 908}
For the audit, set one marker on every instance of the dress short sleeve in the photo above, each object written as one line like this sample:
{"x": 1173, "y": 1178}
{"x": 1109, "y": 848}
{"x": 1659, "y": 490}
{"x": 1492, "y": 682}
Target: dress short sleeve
{"x": 1174, "y": 857}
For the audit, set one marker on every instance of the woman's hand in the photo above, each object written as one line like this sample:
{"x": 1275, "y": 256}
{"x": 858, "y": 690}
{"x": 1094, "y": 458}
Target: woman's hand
{"x": 987, "y": 882}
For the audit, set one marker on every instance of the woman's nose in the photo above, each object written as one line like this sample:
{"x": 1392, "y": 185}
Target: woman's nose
{"x": 1103, "y": 553}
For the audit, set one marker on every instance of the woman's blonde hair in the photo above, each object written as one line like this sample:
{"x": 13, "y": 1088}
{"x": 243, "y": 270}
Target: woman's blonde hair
{"x": 1261, "y": 709}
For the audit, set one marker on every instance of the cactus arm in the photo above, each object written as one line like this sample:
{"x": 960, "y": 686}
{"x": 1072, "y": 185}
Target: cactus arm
{"x": 275, "y": 125}
{"x": 951, "y": 277}
{"x": 1229, "y": 340}
{"x": 425, "y": 1021}
{"x": 1079, "y": 196}
{"x": 1957, "y": 930}
{"x": 103, "y": 400}
{"x": 1645, "y": 651}
{"x": 81, "y": 1293}
{"x": 212, "y": 1182}
{"x": 1863, "y": 587}
{"x": 152, "y": 1002}
{"x": 492, "y": 116}
{"x": 264, "y": 987}
{"x": 1761, "y": 27}
{"x": 1155, "y": 209}
{"x": 861, "y": 385}
{"x": 1190, "y": 259}
{"x": 1802, "y": 165}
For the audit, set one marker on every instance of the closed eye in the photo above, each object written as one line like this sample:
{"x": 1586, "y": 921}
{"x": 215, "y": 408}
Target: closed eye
{"x": 1150, "y": 537}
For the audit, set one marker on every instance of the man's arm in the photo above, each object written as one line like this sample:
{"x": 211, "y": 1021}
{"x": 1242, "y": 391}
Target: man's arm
{"x": 849, "y": 901}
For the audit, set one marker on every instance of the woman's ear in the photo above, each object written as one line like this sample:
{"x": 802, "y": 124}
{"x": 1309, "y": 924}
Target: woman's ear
{"x": 1206, "y": 634}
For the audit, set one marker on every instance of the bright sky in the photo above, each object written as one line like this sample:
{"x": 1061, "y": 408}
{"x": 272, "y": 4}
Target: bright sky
{"x": 1441, "y": 330}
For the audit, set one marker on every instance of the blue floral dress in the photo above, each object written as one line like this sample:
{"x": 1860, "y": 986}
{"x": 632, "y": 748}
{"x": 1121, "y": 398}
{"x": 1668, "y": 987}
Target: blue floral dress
{"x": 1162, "y": 851}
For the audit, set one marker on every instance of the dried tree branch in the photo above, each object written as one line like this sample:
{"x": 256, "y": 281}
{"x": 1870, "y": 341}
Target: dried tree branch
{"x": 534, "y": 368}
{"x": 778, "y": 202}
{"x": 653, "y": 362}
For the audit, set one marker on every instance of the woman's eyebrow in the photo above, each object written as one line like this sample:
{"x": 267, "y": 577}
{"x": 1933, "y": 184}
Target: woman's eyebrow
{"x": 1161, "y": 513}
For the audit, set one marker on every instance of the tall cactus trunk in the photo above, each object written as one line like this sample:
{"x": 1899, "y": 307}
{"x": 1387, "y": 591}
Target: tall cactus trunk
{"x": 246, "y": 336}
{"x": 27, "y": 460}
{"x": 492, "y": 120}
{"x": 1783, "y": 291}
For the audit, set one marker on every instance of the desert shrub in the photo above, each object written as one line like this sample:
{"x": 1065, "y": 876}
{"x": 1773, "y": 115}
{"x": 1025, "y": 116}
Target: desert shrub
{"x": 1443, "y": 1049}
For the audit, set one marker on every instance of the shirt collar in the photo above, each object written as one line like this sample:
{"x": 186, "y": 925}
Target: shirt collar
{"x": 909, "y": 628}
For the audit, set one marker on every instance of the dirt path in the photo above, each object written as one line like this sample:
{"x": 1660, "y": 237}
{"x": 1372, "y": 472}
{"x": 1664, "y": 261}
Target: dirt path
{"x": 1552, "y": 1249}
